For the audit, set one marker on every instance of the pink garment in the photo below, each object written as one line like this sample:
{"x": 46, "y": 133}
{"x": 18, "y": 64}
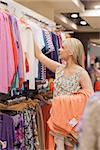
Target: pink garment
{"x": 7, "y": 67}
{"x": 64, "y": 109}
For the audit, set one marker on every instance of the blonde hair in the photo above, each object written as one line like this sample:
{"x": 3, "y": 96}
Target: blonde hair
{"x": 77, "y": 49}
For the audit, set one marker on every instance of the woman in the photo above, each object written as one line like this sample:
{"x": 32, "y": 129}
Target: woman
{"x": 90, "y": 126}
{"x": 70, "y": 78}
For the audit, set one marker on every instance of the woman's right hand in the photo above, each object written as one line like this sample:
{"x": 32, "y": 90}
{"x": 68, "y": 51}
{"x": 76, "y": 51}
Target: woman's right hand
{"x": 49, "y": 63}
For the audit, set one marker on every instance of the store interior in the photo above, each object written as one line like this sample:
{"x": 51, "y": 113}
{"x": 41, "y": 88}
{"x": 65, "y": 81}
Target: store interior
{"x": 26, "y": 93}
{"x": 79, "y": 18}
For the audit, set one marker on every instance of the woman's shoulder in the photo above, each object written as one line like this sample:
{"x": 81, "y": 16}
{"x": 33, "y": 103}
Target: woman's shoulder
{"x": 59, "y": 70}
{"x": 81, "y": 70}
{"x": 60, "y": 67}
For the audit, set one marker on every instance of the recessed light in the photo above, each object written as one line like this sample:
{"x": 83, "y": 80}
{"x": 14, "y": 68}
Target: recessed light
{"x": 97, "y": 6}
{"x": 94, "y": 44}
{"x": 74, "y": 15}
{"x": 82, "y": 22}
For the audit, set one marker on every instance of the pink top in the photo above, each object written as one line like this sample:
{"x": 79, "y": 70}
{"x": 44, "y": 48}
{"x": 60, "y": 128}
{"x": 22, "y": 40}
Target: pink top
{"x": 7, "y": 68}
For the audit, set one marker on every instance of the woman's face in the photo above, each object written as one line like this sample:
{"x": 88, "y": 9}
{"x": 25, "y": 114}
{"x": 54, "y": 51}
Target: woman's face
{"x": 64, "y": 53}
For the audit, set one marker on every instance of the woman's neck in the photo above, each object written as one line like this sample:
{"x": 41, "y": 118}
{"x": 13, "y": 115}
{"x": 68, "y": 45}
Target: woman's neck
{"x": 70, "y": 63}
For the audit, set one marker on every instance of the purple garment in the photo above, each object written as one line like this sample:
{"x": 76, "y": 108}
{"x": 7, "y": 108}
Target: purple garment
{"x": 19, "y": 131}
{"x": 7, "y": 131}
{"x": 55, "y": 43}
{"x": 18, "y": 45}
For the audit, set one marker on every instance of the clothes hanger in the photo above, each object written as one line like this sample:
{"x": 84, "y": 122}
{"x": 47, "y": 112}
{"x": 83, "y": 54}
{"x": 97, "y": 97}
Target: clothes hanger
{"x": 4, "y": 7}
{"x": 23, "y": 19}
{"x": 41, "y": 98}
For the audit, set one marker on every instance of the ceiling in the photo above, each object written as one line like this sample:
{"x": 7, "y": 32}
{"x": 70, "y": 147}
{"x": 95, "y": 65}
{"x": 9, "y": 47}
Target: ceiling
{"x": 58, "y": 11}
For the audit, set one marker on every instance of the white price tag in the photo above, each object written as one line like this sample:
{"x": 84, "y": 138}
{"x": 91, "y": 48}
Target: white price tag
{"x": 3, "y": 144}
{"x": 73, "y": 122}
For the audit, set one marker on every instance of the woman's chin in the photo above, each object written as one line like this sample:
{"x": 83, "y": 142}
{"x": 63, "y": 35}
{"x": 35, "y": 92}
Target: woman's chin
{"x": 60, "y": 57}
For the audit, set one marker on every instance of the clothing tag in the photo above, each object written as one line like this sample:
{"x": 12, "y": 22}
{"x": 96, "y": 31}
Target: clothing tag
{"x": 3, "y": 144}
{"x": 73, "y": 122}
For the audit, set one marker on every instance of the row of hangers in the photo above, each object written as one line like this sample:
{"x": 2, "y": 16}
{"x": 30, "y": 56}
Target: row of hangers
{"x": 12, "y": 11}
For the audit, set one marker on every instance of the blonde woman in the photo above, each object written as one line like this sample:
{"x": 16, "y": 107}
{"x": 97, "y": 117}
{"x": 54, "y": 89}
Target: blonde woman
{"x": 69, "y": 78}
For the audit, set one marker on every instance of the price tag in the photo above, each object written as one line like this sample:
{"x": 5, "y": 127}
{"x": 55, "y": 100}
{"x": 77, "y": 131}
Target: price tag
{"x": 73, "y": 122}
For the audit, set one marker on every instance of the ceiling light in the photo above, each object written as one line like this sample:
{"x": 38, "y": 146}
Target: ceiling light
{"x": 97, "y": 6}
{"x": 74, "y": 15}
{"x": 82, "y": 22}
{"x": 93, "y": 44}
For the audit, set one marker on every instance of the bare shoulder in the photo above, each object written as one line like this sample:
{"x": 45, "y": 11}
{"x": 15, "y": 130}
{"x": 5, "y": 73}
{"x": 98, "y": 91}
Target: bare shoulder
{"x": 60, "y": 67}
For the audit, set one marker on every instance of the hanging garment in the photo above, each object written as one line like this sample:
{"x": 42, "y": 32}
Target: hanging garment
{"x": 35, "y": 130}
{"x": 15, "y": 53}
{"x": 28, "y": 54}
{"x": 48, "y": 41}
{"x": 46, "y": 115}
{"x": 29, "y": 138}
{"x": 7, "y": 133}
{"x": 7, "y": 66}
{"x": 38, "y": 38}
{"x": 22, "y": 30}
{"x": 40, "y": 127}
{"x": 16, "y": 33}
{"x": 97, "y": 85}
{"x": 30, "y": 57}
{"x": 19, "y": 131}
{"x": 55, "y": 43}
{"x": 37, "y": 33}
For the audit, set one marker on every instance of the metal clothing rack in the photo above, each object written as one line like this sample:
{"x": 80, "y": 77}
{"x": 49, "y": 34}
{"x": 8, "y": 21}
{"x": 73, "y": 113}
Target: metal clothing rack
{"x": 20, "y": 10}
{"x": 36, "y": 19}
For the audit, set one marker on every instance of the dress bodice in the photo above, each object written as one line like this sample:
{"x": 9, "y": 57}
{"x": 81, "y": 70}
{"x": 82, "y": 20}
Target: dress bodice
{"x": 66, "y": 85}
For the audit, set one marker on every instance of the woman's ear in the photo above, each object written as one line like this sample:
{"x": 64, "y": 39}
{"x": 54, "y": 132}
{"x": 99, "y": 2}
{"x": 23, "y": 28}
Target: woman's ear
{"x": 70, "y": 52}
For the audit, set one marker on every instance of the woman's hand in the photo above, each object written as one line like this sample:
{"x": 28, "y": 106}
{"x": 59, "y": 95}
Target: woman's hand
{"x": 49, "y": 63}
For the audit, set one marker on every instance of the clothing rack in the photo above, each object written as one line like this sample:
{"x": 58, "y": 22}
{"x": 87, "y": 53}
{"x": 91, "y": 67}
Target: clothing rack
{"x": 19, "y": 10}
{"x": 36, "y": 119}
{"x": 36, "y": 19}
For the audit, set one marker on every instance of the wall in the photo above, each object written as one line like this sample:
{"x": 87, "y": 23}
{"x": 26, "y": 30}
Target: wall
{"x": 85, "y": 37}
{"x": 41, "y": 8}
